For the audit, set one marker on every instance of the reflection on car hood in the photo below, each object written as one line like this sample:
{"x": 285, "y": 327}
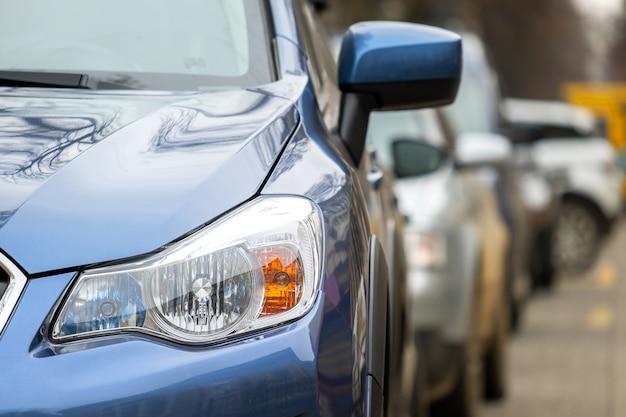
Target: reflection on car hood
{"x": 89, "y": 177}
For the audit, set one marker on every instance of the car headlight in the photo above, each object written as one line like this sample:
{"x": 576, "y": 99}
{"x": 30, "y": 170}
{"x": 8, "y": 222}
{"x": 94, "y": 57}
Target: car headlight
{"x": 425, "y": 250}
{"x": 256, "y": 267}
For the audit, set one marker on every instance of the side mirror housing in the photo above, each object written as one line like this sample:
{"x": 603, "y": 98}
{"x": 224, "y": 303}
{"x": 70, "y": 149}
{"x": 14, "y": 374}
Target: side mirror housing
{"x": 394, "y": 65}
{"x": 476, "y": 149}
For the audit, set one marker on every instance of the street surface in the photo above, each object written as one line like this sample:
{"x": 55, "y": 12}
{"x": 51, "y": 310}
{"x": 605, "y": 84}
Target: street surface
{"x": 569, "y": 358}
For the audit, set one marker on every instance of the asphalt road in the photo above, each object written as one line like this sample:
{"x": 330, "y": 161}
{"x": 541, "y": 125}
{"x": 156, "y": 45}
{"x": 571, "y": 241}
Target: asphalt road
{"x": 569, "y": 358}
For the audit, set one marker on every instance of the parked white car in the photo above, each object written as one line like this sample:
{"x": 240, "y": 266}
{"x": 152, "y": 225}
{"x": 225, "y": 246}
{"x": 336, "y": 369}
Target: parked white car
{"x": 567, "y": 141}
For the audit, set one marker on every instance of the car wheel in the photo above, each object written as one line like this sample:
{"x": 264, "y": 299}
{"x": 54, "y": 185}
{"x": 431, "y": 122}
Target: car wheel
{"x": 496, "y": 358}
{"x": 465, "y": 399}
{"x": 577, "y": 236}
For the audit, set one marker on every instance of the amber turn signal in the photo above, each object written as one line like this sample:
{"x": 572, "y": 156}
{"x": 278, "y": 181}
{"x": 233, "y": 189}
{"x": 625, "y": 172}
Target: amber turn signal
{"x": 282, "y": 270}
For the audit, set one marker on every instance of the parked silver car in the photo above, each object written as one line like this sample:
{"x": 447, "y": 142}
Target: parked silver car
{"x": 526, "y": 197}
{"x": 456, "y": 242}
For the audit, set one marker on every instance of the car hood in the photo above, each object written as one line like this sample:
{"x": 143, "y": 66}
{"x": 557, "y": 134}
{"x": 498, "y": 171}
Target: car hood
{"x": 89, "y": 177}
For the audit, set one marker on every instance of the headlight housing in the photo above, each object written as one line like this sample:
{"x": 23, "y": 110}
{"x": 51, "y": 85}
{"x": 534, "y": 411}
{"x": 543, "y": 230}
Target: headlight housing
{"x": 258, "y": 266}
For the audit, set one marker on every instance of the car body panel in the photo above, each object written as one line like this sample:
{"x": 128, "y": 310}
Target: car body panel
{"x": 206, "y": 376}
{"x": 139, "y": 376}
{"x": 442, "y": 299}
{"x": 587, "y": 166}
{"x": 145, "y": 182}
{"x": 310, "y": 168}
{"x": 476, "y": 243}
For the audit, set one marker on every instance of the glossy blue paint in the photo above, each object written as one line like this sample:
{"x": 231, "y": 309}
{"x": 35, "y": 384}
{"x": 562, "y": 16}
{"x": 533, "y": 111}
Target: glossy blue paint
{"x": 143, "y": 170}
{"x": 393, "y": 52}
{"x": 132, "y": 375}
{"x": 312, "y": 168}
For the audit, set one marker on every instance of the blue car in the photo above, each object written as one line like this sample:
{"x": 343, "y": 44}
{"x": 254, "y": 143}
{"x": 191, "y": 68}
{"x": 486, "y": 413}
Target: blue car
{"x": 184, "y": 222}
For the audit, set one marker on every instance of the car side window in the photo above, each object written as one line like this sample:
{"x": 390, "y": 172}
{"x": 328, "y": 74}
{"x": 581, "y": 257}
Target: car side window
{"x": 387, "y": 129}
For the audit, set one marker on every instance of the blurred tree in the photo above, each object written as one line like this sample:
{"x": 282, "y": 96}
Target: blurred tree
{"x": 616, "y": 56}
{"x": 342, "y": 13}
{"x": 536, "y": 45}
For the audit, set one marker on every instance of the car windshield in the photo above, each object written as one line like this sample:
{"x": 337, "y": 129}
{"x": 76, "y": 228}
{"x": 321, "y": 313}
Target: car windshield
{"x": 470, "y": 111}
{"x": 141, "y": 44}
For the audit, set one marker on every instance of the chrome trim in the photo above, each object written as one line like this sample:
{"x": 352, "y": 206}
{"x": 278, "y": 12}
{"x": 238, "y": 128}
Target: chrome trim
{"x": 17, "y": 282}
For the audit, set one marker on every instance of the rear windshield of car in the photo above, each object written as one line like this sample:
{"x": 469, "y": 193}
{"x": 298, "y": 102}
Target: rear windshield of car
{"x": 142, "y": 44}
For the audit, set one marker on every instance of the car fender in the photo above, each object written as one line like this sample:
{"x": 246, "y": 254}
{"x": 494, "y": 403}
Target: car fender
{"x": 594, "y": 183}
{"x": 588, "y": 167}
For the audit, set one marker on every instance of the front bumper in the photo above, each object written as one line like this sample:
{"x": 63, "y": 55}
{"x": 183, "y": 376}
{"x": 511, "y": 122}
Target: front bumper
{"x": 278, "y": 372}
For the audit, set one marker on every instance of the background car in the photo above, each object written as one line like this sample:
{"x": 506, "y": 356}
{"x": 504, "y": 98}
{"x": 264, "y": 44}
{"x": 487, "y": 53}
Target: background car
{"x": 567, "y": 141}
{"x": 526, "y": 197}
{"x": 184, "y": 227}
{"x": 456, "y": 244}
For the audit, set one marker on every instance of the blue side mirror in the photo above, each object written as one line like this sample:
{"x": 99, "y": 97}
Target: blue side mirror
{"x": 402, "y": 64}
{"x": 394, "y": 65}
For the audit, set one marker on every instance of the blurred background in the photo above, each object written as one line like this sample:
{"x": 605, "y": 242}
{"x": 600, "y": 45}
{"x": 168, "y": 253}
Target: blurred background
{"x": 536, "y": 45}
{"x": 569, "y": 356}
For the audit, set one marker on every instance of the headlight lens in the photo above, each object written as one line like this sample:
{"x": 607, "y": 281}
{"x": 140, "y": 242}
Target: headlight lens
{"x": 256, "y": 267}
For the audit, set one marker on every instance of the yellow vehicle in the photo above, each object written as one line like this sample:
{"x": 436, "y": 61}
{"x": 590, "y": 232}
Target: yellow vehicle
{"x": 607, "y": 100}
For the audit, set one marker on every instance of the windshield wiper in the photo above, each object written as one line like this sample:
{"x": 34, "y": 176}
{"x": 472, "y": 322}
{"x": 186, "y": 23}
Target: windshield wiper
{"x": 12, "y": 78}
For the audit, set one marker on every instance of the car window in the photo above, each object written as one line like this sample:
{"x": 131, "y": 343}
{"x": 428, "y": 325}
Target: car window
{"x": 470, "y": 110}
{"x": 197, "y": 43}
{"x": 322, "y": 66}
{"x": 387, "y": 127}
